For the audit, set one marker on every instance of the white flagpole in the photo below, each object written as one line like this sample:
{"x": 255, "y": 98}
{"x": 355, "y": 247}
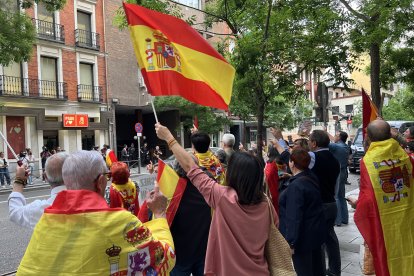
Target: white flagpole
{"x": 11, "y": 149}
{"x": 153, "y": 109}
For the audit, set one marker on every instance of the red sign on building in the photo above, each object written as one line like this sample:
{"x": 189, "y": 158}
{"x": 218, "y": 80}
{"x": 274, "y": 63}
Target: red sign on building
{"x": 75, "y": 120}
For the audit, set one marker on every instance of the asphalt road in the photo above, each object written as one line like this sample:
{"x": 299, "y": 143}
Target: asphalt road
{"x": 14, "y": 239}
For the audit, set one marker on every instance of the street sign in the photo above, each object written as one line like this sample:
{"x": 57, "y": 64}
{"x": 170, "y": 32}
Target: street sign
{"x": 139, "y": 134}
{"x": 138, "y": 128}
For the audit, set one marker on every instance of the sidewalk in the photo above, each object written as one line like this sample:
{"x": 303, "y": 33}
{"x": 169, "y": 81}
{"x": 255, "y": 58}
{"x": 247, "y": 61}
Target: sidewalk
{"x": 350, "y": 241}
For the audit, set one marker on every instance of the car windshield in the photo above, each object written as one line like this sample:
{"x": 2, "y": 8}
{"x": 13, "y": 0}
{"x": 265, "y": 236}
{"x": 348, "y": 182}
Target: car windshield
{"x": 358, "y": 137}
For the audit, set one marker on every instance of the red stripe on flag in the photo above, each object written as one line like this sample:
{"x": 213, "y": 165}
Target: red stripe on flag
{"x": 161, "y": 166}
{"x": 177, "y": 30}
{"x": 367, "y": 219}
{"x": 369, "y": 111}
{"x": 175, "y": 201}
{"x": 171, "y": 83}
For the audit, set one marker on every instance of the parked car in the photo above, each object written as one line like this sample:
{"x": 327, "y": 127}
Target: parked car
{"x": 357, "y": 151}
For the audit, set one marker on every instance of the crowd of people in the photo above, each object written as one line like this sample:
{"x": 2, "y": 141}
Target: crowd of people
{"x": 221, "y": 225}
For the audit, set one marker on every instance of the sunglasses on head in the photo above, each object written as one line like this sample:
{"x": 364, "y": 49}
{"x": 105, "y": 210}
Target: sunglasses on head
{"x": 108, "y": 176}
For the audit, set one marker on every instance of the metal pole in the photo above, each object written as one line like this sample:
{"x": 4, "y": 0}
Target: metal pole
{"x": 139, "y": 153}
{"x": 153, "y": 109}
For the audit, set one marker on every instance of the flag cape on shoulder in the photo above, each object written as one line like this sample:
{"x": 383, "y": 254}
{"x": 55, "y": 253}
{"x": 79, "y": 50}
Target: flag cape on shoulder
{"x": 176, "y": 60}
{"x": 80, "y": 235}
{"x": 385, "y": 209}
{"x": 369, "y": 112}
{"x": 172, "y": 186}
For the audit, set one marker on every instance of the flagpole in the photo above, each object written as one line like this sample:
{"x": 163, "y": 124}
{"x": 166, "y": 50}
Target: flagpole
{"x": 11, "y": 149}
{"x": 153, "y": 109}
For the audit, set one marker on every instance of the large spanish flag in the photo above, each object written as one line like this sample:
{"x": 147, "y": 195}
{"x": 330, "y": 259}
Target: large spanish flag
{"x": 172, "y": 187}
{"x": 369, "y": 111}
{"x": 176, "y": 60}
{"x": 385, "y": 209}
{"x": 80, "y": 235}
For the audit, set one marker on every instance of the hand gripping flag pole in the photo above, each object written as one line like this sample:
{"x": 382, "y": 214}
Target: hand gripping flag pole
{"x": 8, "y": 145}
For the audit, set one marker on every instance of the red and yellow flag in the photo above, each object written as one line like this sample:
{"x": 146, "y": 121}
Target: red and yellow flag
{"x": 80, "y": 235}
{"x": 385, "y": 210}
{"x": 172, "y": 187}
{"x": 369, "y": 112}
{"x": 176, "y": 60}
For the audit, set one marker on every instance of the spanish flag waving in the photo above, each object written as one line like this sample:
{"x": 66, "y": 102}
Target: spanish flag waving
{"x": 369, "y": 112}
{"x": 176, "y": 60}
{"x": 385, "y": 210}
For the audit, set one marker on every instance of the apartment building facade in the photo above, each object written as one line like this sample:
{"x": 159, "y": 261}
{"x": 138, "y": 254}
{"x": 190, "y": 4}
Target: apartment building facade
{"x": 58, "y": 98}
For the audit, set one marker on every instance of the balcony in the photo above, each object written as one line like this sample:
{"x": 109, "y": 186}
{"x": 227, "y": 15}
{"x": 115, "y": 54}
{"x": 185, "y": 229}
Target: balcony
{"x": 89, "y": 93}
{"x": 87, "y": 39}
{"x": 32, "y": 88}
{"x": 49, "y": 31}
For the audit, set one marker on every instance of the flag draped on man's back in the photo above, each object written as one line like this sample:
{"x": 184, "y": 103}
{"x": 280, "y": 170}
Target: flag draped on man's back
{"x": 369, "y": 112}
{"x": 176, "y": 60}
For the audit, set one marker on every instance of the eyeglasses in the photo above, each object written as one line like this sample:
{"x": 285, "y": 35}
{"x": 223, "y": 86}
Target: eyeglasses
{"x": 108, "y": 176}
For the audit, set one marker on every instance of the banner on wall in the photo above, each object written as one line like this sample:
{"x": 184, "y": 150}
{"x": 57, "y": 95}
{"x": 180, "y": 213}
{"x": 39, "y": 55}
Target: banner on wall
{"x": 15, "y": 134}
{"x": 75, "y": 120}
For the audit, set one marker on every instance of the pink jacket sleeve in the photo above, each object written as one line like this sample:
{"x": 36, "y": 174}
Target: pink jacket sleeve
{"x": 209, "y": 188}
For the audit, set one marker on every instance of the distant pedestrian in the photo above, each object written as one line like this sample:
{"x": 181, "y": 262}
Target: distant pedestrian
{"x": 44, "y": 155}
{"x": 124, "y": 154}
{"x": 31, "y": 164}
{"x": 4, "y": 170}
{"x": 157, "y": 154}
{"x": 145, "y": 155}
{"x": 132, "y": 153}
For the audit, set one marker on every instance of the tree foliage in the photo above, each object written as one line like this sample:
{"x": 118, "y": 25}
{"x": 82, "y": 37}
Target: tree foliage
{"x": 400, "y": 106}
{"x": 282, "y": 39}
{"x": 209, "y": 121}
{"x": 377, "y": 27}
{"x": 17, "y": 32}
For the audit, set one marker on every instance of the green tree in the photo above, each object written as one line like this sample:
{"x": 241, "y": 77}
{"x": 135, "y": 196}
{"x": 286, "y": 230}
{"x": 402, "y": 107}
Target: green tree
{"x": 375, "y": 26}
{"x": 400, "y": 106}
{"x": 209, "y": 121}
{"x": 17, "y": 33}
{"x": 272, "y": 48}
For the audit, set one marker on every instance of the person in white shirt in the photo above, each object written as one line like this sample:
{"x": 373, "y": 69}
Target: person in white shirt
{"x": 27, "y": 215}
{"x": 30, "y": 164}
{"x": 4, "y": 170}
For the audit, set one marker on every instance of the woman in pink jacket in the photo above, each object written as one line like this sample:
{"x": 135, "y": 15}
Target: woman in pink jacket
{"x": 240, "y": 224}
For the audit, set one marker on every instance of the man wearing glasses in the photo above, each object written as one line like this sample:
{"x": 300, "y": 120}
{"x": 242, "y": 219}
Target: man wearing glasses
{"x": 80, "y": 235}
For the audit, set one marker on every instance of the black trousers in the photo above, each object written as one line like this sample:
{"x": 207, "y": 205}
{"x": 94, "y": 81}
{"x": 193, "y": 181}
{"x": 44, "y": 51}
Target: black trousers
{"x": 332, "y": 243}
{"x": 309, "y": 263}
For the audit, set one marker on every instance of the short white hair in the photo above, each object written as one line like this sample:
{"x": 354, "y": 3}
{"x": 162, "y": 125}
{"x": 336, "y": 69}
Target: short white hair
{"x": 82, "y": 168}
{"x": 53, "y": 168}
{"x": 228, "y": 139}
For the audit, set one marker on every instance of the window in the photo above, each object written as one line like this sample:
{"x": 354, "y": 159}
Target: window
{"x": 191, "y": 3}
{"x": 86, "y": 73}
{"x": 336, "y": 95}
{"x": 84, "y": 21}
{"x": 12, "y": 82}
{"x": 335, "y": 110}
{"x": 44, "y": 15}
{"x": 48, "y": 76}
{"x": 349, "y": 108}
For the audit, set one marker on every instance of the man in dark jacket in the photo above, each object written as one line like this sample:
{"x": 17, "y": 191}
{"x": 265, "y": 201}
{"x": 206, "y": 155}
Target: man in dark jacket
{"x": 325, "y": 166}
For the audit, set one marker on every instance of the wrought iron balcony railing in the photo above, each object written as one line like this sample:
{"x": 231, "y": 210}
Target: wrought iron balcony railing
{"x": 89, "y": 93}
{"x": 49, "y": 30}
{"x": 32, "y": 88}
{"x": 87, "y": 39}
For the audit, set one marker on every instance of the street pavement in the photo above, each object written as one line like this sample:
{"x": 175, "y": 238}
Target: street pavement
{"x": 14, "y": 239}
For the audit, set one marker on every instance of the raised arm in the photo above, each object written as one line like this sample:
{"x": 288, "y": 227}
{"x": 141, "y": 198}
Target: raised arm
{"x": 182, "y": 156}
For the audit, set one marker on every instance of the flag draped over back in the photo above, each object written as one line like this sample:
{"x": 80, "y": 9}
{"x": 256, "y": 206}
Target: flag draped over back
{"x": 369, "y": 112}
{"x": 80, "y": 235}
{"x": 176, "y": 60}
{"x": 172, "y": 187}
{"x": 385, "y": 210}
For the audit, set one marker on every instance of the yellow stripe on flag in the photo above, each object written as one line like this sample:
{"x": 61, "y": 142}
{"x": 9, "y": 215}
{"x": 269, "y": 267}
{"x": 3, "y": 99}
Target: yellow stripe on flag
{"x": 168, "y": 181}
{"x": 193, "y": 64}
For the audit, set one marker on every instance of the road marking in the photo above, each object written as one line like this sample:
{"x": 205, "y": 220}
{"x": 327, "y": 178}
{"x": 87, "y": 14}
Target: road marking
{"x": 28, "y": 198}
